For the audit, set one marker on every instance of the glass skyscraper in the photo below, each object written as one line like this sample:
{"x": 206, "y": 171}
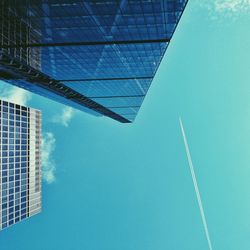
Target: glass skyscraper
{"x": 20, "y": 163}
{"x": 97, "y": 56}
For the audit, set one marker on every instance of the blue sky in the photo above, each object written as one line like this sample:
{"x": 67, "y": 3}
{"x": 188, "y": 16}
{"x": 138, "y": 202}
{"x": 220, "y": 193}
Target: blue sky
{"x": 110, "y": 186}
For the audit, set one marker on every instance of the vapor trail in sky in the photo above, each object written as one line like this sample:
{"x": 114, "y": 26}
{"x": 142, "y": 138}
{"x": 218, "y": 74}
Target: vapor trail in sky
{"x": 191, "y": 167}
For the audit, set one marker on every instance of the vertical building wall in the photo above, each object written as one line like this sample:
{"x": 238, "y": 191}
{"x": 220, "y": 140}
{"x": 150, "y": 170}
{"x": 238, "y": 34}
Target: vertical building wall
{"x": 35, "y": 162}
{"x": 19, "y": 163}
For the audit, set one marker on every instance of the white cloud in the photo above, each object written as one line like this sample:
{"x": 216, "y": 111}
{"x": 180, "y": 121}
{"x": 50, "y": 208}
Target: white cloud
{"x": 228, "y": 8}
{"x": 14, "y": 94}
{"x": 65, "y": 117}
{"x": 232, "y": 5}
{"x": 48, "y": 164}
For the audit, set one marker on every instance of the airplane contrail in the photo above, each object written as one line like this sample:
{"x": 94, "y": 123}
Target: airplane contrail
{"x": 191, "y": 167}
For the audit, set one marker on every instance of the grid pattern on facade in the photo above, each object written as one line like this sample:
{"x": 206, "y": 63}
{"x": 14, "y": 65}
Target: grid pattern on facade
{"x": 20, "y": 170}
{"x": 78, "y": 40}
{"x": 70, "y": 21}
{"x": 16, "y": 29}
{"x": 102, "y": 61}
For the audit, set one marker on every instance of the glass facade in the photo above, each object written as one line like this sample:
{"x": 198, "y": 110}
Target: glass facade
{"x": 20, "y": 171}
{"x": 98, "y": 56}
